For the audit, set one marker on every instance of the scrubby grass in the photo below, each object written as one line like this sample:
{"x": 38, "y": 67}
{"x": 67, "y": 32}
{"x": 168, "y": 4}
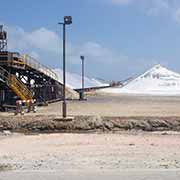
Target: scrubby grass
{"x": 5, "y": 167}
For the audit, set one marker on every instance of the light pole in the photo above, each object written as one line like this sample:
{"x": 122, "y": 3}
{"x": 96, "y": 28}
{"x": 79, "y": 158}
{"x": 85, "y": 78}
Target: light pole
{"x": 67, "y": 21}
{"x": 82, "y": 71}
{"x": 82, "y": 59}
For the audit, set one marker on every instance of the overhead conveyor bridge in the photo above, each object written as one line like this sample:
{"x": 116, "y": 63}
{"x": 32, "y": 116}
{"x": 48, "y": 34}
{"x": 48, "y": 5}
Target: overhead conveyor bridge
{"x": 22, "y": 77}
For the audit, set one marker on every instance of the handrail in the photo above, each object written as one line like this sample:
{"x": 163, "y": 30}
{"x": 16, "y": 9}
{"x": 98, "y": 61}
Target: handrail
{"x": 33, "y": 63}
{"x": 4, "y": 74}
{"x": 18, "y": 87}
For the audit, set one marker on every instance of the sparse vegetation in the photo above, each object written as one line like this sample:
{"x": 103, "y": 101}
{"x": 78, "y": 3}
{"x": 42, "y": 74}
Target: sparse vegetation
{"x": 5, "y": 167}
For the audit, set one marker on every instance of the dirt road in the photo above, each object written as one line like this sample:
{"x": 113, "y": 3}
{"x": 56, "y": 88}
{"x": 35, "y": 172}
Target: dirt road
{"x": 120, "y": 105}
{"x": 125, "y": 175}
{"x": 128, "y": 155}
{"x": 91, "y": 152}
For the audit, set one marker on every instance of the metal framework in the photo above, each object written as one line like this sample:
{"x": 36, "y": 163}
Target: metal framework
{"x": 22, "y": 77}
{"x": 3, "y": 39}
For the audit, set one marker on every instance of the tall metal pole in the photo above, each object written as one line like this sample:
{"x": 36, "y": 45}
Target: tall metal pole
{"x": 67, "y": 21}
{"x": 82, "y": 73}
{"x": 81, "y": 94}
{"x": 64, "y": 72}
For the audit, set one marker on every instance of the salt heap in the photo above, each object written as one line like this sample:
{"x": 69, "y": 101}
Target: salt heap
{"x": 156, "y": 81}
{"x": 74, "y": 81}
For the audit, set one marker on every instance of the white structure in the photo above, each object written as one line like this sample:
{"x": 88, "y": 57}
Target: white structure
{"x": 156, "y": 81}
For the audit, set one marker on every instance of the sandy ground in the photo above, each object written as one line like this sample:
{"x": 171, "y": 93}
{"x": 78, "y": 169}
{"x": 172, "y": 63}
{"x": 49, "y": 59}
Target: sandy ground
{"x": 91, "y": 152}
{"x": 125, "y": 175}
{"x": 119, "y": 106}
{"x": 128, "y": 155}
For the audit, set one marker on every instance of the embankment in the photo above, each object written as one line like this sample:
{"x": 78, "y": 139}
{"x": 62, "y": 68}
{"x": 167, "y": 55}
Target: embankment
{"x": 83, "y": 124}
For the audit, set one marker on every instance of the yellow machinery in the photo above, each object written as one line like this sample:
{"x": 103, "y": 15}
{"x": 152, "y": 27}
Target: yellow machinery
{"x": 20, "y": 89}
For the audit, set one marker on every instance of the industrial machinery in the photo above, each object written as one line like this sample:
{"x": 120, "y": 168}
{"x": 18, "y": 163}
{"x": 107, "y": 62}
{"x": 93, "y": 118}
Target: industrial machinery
{"x": 23, "y": 77}
{"x": 3, "y": 39}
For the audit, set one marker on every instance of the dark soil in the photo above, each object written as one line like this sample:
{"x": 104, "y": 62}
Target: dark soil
{"x": 87, "y": 124}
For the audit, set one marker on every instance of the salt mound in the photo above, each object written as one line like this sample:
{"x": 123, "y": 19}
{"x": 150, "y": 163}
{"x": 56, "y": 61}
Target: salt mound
{"x": 156, "y": 81}
{"x": 74, "y": 81}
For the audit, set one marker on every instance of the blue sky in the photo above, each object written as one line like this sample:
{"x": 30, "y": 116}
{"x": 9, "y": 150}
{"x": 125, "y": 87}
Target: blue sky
{"x": 119, "y": 38}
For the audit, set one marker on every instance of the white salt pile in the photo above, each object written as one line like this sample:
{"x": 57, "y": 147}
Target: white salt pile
{"x": 156, "y": 81}
{"x": 74, "y": 81}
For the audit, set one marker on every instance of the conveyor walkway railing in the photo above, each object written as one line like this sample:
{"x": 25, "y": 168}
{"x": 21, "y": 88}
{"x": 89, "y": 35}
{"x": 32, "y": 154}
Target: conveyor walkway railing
{"x": 25, "y": 61}
{"x": 31, "y": 62}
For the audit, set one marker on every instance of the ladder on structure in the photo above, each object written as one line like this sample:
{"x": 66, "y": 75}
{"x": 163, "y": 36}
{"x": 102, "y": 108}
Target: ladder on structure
{"x": 16, "y": 85}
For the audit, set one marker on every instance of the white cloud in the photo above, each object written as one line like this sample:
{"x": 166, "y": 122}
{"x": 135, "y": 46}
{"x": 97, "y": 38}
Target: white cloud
{"x": 158, "y": 7}
{"x": 151, "y": 6}
{"x": 177, "y": 15}
{"x": 158, "y": 3}
{"x": 95, "y": 50}
{"x": 46, "y": 46}
{"x": 121, "y": 2}
{"x": 170, "y": 8}
{"x": 42, "y": 39}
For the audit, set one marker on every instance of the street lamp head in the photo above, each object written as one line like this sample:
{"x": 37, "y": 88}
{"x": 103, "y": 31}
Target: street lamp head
{"x": 67, "y": 20}
{"x": 82, "y": 57}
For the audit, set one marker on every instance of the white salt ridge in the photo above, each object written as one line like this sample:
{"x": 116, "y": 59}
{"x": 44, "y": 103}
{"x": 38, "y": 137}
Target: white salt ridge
{"x": 156, "y": 81}
{"x": 74, "y": 81}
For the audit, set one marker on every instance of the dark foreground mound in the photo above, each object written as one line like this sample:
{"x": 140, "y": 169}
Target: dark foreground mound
{"x": 88, "y": 124}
